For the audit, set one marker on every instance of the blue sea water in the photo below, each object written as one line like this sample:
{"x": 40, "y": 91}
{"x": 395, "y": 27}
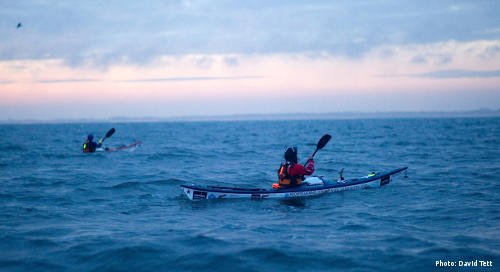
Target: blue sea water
{"x": 62, "y": 210}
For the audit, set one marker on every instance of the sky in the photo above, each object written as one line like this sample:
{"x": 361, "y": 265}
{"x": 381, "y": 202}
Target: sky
{"x": 102, "y": 59}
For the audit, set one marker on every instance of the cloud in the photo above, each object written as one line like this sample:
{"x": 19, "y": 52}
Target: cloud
{"x": 190, "y": 79}
{"x": 444, "y": 55}
{"x": 418, "y": 59}
{"x": 459, "y": 74}
{"x": 108, "y": 33}
{"x": 204, "y": 62}
{"x": 447, "y": 74}
{"x": 231, "y": 61}
{"x": 490, "y": 51}
{"x": 68, "y": 80}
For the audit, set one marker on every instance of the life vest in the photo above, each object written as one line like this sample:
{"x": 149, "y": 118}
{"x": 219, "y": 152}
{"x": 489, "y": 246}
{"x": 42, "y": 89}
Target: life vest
{"x": 89, "y": 147}
{"x": 285, "y": 179}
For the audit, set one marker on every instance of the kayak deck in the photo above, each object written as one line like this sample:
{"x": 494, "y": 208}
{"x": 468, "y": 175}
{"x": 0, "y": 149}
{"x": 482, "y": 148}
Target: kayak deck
{"x": 111, "y": 149}
{"x": 326, "y": 186}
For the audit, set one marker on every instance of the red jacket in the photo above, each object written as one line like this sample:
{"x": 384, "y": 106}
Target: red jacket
{"x": 300, "y": 170}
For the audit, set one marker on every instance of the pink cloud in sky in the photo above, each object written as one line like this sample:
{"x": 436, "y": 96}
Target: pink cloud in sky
{"x": 194, "y": 78}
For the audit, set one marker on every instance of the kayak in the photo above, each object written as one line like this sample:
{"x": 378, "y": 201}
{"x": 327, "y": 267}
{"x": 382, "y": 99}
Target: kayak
{"x": 310, "y": 186}
{"x": 111, "y": 149}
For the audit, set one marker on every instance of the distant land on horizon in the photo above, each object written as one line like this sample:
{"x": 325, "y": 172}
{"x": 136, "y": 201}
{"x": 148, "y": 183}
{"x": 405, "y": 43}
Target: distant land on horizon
{"x": 276, "y": 116}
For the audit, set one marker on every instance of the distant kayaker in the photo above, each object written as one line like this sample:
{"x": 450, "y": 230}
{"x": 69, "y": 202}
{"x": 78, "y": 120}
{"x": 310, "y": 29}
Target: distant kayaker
{"x": 290, "y": 173}
{"x": 89, "y": 145}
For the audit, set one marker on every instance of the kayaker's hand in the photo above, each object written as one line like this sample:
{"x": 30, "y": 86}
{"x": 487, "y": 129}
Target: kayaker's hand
{"x": 310, "y": 158}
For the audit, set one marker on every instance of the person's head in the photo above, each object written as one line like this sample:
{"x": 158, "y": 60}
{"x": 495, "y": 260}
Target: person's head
{"x": 90, "y": 137}
{"x": 291, "y": 155}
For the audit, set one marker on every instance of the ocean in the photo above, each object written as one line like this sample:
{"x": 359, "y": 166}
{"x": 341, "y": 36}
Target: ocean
{"x": 63, "y": 210}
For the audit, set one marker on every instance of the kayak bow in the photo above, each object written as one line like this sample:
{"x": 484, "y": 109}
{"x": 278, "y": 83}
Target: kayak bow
{"x": 311, "y": 186}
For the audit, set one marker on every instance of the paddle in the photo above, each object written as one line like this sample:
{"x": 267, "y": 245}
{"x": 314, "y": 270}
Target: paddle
{"x": 108, "y": 134}
{"x": 321, "y": 143}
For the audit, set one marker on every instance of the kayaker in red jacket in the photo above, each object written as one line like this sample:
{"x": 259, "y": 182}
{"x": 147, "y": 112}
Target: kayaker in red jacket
{"x": 290, "y": 173}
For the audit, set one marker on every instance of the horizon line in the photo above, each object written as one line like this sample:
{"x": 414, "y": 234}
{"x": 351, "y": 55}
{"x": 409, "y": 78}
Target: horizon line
{"x": 482, "y": 112}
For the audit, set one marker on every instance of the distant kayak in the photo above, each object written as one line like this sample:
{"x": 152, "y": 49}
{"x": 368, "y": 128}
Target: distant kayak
{"x": 111, "y": 149}
{"x": 311, "y": 186}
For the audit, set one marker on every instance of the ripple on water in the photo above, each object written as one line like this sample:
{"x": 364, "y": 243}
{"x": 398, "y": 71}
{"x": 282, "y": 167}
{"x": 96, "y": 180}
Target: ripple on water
{"x": 353, "y": 227}
{"x": 6, "y": 148}
{"x": 124, "y": 211}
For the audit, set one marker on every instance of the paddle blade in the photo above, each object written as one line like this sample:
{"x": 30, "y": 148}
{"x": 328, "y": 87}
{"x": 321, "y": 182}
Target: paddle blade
{"x": 323, "y": 141}
{"x": 110, "y": 132}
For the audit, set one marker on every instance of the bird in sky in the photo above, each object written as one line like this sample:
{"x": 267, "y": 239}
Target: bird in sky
{"x": 19, "y": 25}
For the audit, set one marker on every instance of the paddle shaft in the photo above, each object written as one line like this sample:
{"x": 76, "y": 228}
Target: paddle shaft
{"x": 108, "y": 134}
{"x": 321, "y": 143}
